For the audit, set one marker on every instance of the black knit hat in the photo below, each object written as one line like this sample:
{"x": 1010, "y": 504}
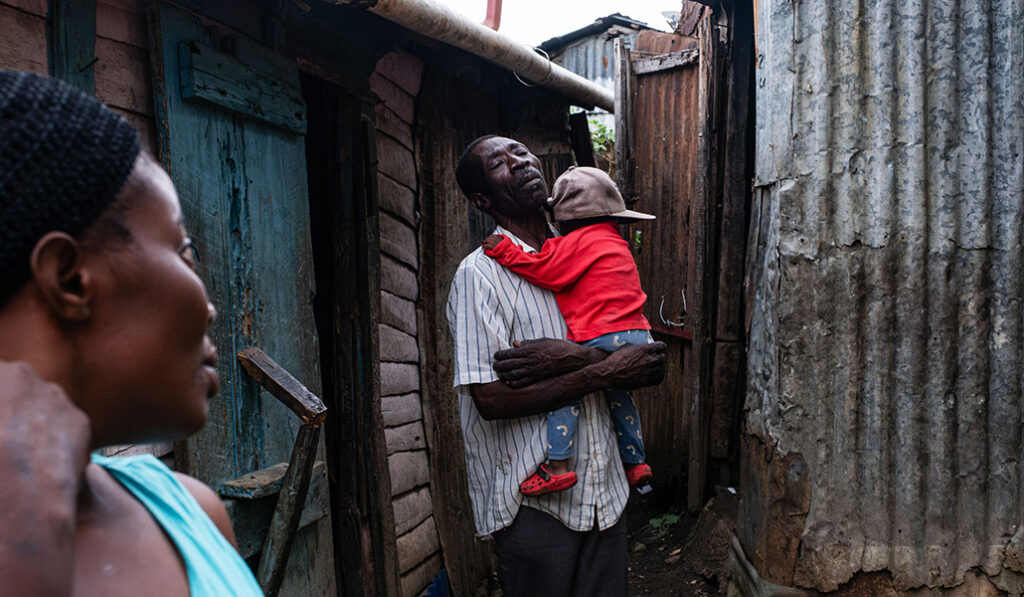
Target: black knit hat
{"x": 64, "y": 157}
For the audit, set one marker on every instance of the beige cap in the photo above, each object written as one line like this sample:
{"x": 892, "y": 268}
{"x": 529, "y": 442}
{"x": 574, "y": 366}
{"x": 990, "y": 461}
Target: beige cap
{"x": 583, "y": 192}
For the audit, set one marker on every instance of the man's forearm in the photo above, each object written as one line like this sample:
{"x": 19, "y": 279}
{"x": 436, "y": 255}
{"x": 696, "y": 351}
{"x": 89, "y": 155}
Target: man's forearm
{"x": 496, "y": 400}
{"x": 36, "y": 560}
{"x": 629, "y": 367}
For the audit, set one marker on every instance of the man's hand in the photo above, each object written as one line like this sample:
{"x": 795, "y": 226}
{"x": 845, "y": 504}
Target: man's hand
{"x": 636, "y": 366}
{"x": 44, "y": 449}
{"x": 491, "y": 242}
{"x": 41, "y": 427}
{"x": 530, "y": 361}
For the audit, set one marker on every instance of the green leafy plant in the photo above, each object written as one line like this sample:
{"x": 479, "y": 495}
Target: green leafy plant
{"x": 601, "y": 137}
{"x": 664, "y": 521}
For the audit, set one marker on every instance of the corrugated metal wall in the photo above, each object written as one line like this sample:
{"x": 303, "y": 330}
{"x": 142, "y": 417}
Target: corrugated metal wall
{"x": 885, "y": 342}
{"x": 593, "y": 58}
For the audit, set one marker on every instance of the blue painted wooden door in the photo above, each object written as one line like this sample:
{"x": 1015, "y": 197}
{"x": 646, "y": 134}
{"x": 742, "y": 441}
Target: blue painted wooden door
{"x": 231, "y": 122}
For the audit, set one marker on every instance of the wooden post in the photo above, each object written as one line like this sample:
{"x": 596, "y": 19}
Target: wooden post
{"x": 579, "y": 136}
{"x": 623, "y": 116}
{"x": 285, "y": 521}
{"x": 295, "y": 484}
{"x": 73, "y": 43}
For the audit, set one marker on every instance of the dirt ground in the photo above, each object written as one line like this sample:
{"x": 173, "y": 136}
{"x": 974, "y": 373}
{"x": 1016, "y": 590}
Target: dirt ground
{"x": 674, "y": 553}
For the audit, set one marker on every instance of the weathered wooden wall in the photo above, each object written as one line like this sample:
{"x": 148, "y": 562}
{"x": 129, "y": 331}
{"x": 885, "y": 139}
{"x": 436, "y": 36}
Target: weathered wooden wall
{"x": 396, "y": 81}
{"x": 23, "y": 35}
{"x": 444, "y": 239}
{"x": 477, "y": 101}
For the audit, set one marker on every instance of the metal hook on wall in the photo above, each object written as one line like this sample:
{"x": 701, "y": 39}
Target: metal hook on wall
{"x": 682, "y": 318}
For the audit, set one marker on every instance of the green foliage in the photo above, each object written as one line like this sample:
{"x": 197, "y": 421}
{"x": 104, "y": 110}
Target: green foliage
{"x": 666, "y": 521}
{"x": 601, "y": 136}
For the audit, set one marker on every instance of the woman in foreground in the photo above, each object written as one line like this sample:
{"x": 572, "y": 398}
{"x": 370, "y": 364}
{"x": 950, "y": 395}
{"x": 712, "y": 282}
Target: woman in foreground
{"x": 103, "y": 341}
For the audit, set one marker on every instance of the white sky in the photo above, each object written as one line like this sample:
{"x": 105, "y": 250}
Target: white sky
{"x": 534, "y": 21}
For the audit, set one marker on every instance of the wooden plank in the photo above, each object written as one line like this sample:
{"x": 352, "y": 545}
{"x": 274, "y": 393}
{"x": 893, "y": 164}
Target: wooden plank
{"x": 283, "y": 385}
{"x": 120, "y": 24}
{"x": 405, "y": 437}
{"x": 398, "y": 279}
{"x": 396, "y": 161}
{"x": 398, "y": 312}
{"x": 390, "y": 124}
{"x": 651, "y": 42}
{"x": 211, "y": 76}
{"x": 399, "y": 101}
{"x": 417, "y": 545}
{"x": 255, "y": 485}
{"x": 414, "y": 581}
{"x": 397, "y": 199}
{"x": 123, "y": 77}
{"x": 725, "y": 388}
{"x": 408, "y": 470}
{"x": 73, "y": 42}
{"x": 131, "y": 6}
{"x": 689, "y": 17}
{"x": 402, "y": 69}
{"x": 398, "y": 410}
{"x": 579, "y": 136}
{"x": 411, "y": 509}
{"x": 250, "y": 518}
{"x": 662, "y": 62}
{"x": 623, "y": 114}
{"x": 285, "y": 521}
{"x": 23, "y": 43}
{"x": 710, "y": 67}
{"x": 737, "y": 179}
{"x": 399, "y": 378}
{"x": 159, "y": 450}
{"x": 39, "y": 8}
{"x": 398, "y": 240}
{"x": 397, "y": 346}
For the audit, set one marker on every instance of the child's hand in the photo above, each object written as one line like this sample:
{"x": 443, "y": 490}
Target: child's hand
{"x": 491, "y": 242}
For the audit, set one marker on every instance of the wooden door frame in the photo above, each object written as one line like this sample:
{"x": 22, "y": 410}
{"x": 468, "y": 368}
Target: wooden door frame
{"x": 342, "y": 159}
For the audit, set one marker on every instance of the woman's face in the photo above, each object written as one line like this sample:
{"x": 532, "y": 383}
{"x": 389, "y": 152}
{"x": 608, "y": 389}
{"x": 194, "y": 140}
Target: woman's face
{"x": 147, "y": 334}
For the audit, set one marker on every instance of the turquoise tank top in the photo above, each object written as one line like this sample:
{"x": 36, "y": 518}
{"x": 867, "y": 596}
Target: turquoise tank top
{"x": 214, "y": 567}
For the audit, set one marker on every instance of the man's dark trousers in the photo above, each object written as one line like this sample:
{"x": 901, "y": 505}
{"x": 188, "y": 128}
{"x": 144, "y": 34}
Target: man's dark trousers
{"x": 539, "y": 556}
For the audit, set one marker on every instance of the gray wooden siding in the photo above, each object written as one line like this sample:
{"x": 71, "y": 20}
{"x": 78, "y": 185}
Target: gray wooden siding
{"x": 396, "y": 81}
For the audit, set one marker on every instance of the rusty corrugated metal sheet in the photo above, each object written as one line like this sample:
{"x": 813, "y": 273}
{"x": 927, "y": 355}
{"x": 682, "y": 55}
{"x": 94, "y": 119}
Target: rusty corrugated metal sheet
{"x": 665, "y": 116}
{"x": 885, "y": 343}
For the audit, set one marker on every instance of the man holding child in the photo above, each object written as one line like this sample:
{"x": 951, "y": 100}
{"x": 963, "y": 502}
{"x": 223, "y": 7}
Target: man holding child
{"x": 512, "y": 366}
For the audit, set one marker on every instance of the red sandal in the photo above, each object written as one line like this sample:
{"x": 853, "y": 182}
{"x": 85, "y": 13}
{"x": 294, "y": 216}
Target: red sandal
{"x": 543, "y": 482}
{"x": 639, "y": 475}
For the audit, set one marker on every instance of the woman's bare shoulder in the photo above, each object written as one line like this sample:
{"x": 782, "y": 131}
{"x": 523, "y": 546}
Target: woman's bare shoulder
{"x": 210, "y": 502}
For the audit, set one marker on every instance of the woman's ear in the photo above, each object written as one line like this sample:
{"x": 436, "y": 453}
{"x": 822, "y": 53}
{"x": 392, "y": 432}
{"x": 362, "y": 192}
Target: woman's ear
{"x": 60, "y": 278}
{"x": 480, "y": 202}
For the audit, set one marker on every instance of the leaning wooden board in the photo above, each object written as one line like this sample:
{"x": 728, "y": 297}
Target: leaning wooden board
{"x": 239, "y": 167}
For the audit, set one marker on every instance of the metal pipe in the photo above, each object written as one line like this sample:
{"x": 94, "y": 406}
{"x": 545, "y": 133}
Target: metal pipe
{"x": 438, "y": 21}
{"x": 493, "y": 18}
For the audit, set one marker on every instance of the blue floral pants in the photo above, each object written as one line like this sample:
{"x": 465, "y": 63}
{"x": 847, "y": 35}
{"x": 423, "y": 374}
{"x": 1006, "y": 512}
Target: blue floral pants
{"x": 625, "y": 418}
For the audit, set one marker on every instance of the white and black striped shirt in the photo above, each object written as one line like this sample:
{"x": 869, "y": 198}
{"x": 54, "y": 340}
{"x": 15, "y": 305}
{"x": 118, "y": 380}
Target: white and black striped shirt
{"x": 489, "y": 307}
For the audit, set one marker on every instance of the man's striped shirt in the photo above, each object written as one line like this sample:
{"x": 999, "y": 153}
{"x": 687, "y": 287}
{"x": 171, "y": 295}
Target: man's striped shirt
{"x": 489, "y": 307}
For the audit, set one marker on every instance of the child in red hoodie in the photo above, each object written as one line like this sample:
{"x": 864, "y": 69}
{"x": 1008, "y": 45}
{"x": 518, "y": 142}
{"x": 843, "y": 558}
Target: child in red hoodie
{"x": 597, "y": 287}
